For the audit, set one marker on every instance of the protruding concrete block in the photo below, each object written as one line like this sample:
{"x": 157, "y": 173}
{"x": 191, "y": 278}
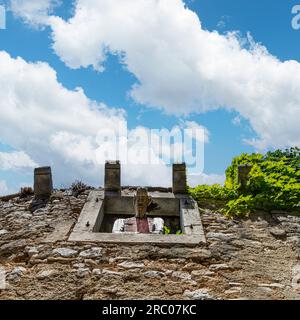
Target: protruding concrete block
{"x": 243, "y": 174}
{"x": 179, "y": 178}
{"x": 43, "y": 185}
{"x": 112, "y": 179}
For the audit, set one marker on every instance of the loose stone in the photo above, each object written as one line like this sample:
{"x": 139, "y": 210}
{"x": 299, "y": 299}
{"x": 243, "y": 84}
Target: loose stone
{"x": 46, "y": 274}
{"x": 131, "y": 265}
{"x": 278, "y": 233}
{"x": 181, "y": 275}
{"x": 154, "y": 274}
{"x": 65, "y": 252}
{"x": 82, "y": 272}
{"x": 200, "y": 294}
{"x": 216, "y": 267}
{"x": 97, "y": 272}
{"x": 91, "y": 253}
{"x": 3, "y": 232}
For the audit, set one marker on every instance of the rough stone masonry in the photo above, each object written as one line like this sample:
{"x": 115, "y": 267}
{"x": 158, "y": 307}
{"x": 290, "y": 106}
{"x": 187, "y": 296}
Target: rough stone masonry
{"x": 256, "y": 258}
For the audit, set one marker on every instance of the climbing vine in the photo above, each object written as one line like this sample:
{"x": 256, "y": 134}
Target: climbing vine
{"x": 273, "y": 183}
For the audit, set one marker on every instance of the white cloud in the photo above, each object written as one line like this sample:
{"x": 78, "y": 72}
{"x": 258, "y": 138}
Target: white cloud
{"x": 65, "y": 129}
{"x": 15, "y": 160}
{"x": 35, "y": 108}
{"x": 223, "y": 22}
{"x": 3, "y": 187}
{"x": 208, "y": 179}
{"x": 237, "y": 121}
{"x": 183, "y": 68}
{"x": 34, "y": 12}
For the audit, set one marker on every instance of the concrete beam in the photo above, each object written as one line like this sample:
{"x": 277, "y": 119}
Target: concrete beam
{"x": 179, "y": 179}
{"x": 43, "y": 185}
{"x": 112, "y": 179}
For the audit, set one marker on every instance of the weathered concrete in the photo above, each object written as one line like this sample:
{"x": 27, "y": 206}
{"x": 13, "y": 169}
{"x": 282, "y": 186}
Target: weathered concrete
{"x": 179, "y": 179}
{"x": 92, "y": 215}
{"x": 61, "y": 231}
{"x": 191, "y": 223}
{"x": 138, "y": 238}
{"x": 112, "y": 179}
{"x": 163, "y": 204}
{"x": 43, "y": 185}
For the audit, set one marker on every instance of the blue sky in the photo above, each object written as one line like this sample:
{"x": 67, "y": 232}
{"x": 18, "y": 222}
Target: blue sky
{"x": 269, "y": 23}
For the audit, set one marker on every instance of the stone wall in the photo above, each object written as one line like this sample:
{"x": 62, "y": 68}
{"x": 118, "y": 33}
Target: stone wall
{"x": 255, "y": 258}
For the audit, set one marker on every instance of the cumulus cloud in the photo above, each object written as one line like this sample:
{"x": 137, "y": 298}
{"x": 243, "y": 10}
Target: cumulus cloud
{"x": 34, "y": 12}
{"x": 64, "y": 128}
{"x": 15, "y": 160}
{"x": 208, "y": 179}
{"x": 181, "y": 67}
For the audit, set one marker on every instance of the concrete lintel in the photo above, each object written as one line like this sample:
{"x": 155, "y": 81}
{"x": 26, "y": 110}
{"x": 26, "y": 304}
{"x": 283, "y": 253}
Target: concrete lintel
{"x": 138, "y": 238}
{"x": 123, "y": 205}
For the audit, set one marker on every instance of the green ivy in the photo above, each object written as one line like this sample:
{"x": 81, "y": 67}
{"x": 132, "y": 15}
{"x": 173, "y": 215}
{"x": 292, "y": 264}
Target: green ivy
{"x": 167, "y": 230}
{"x": 274, "y": 183}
